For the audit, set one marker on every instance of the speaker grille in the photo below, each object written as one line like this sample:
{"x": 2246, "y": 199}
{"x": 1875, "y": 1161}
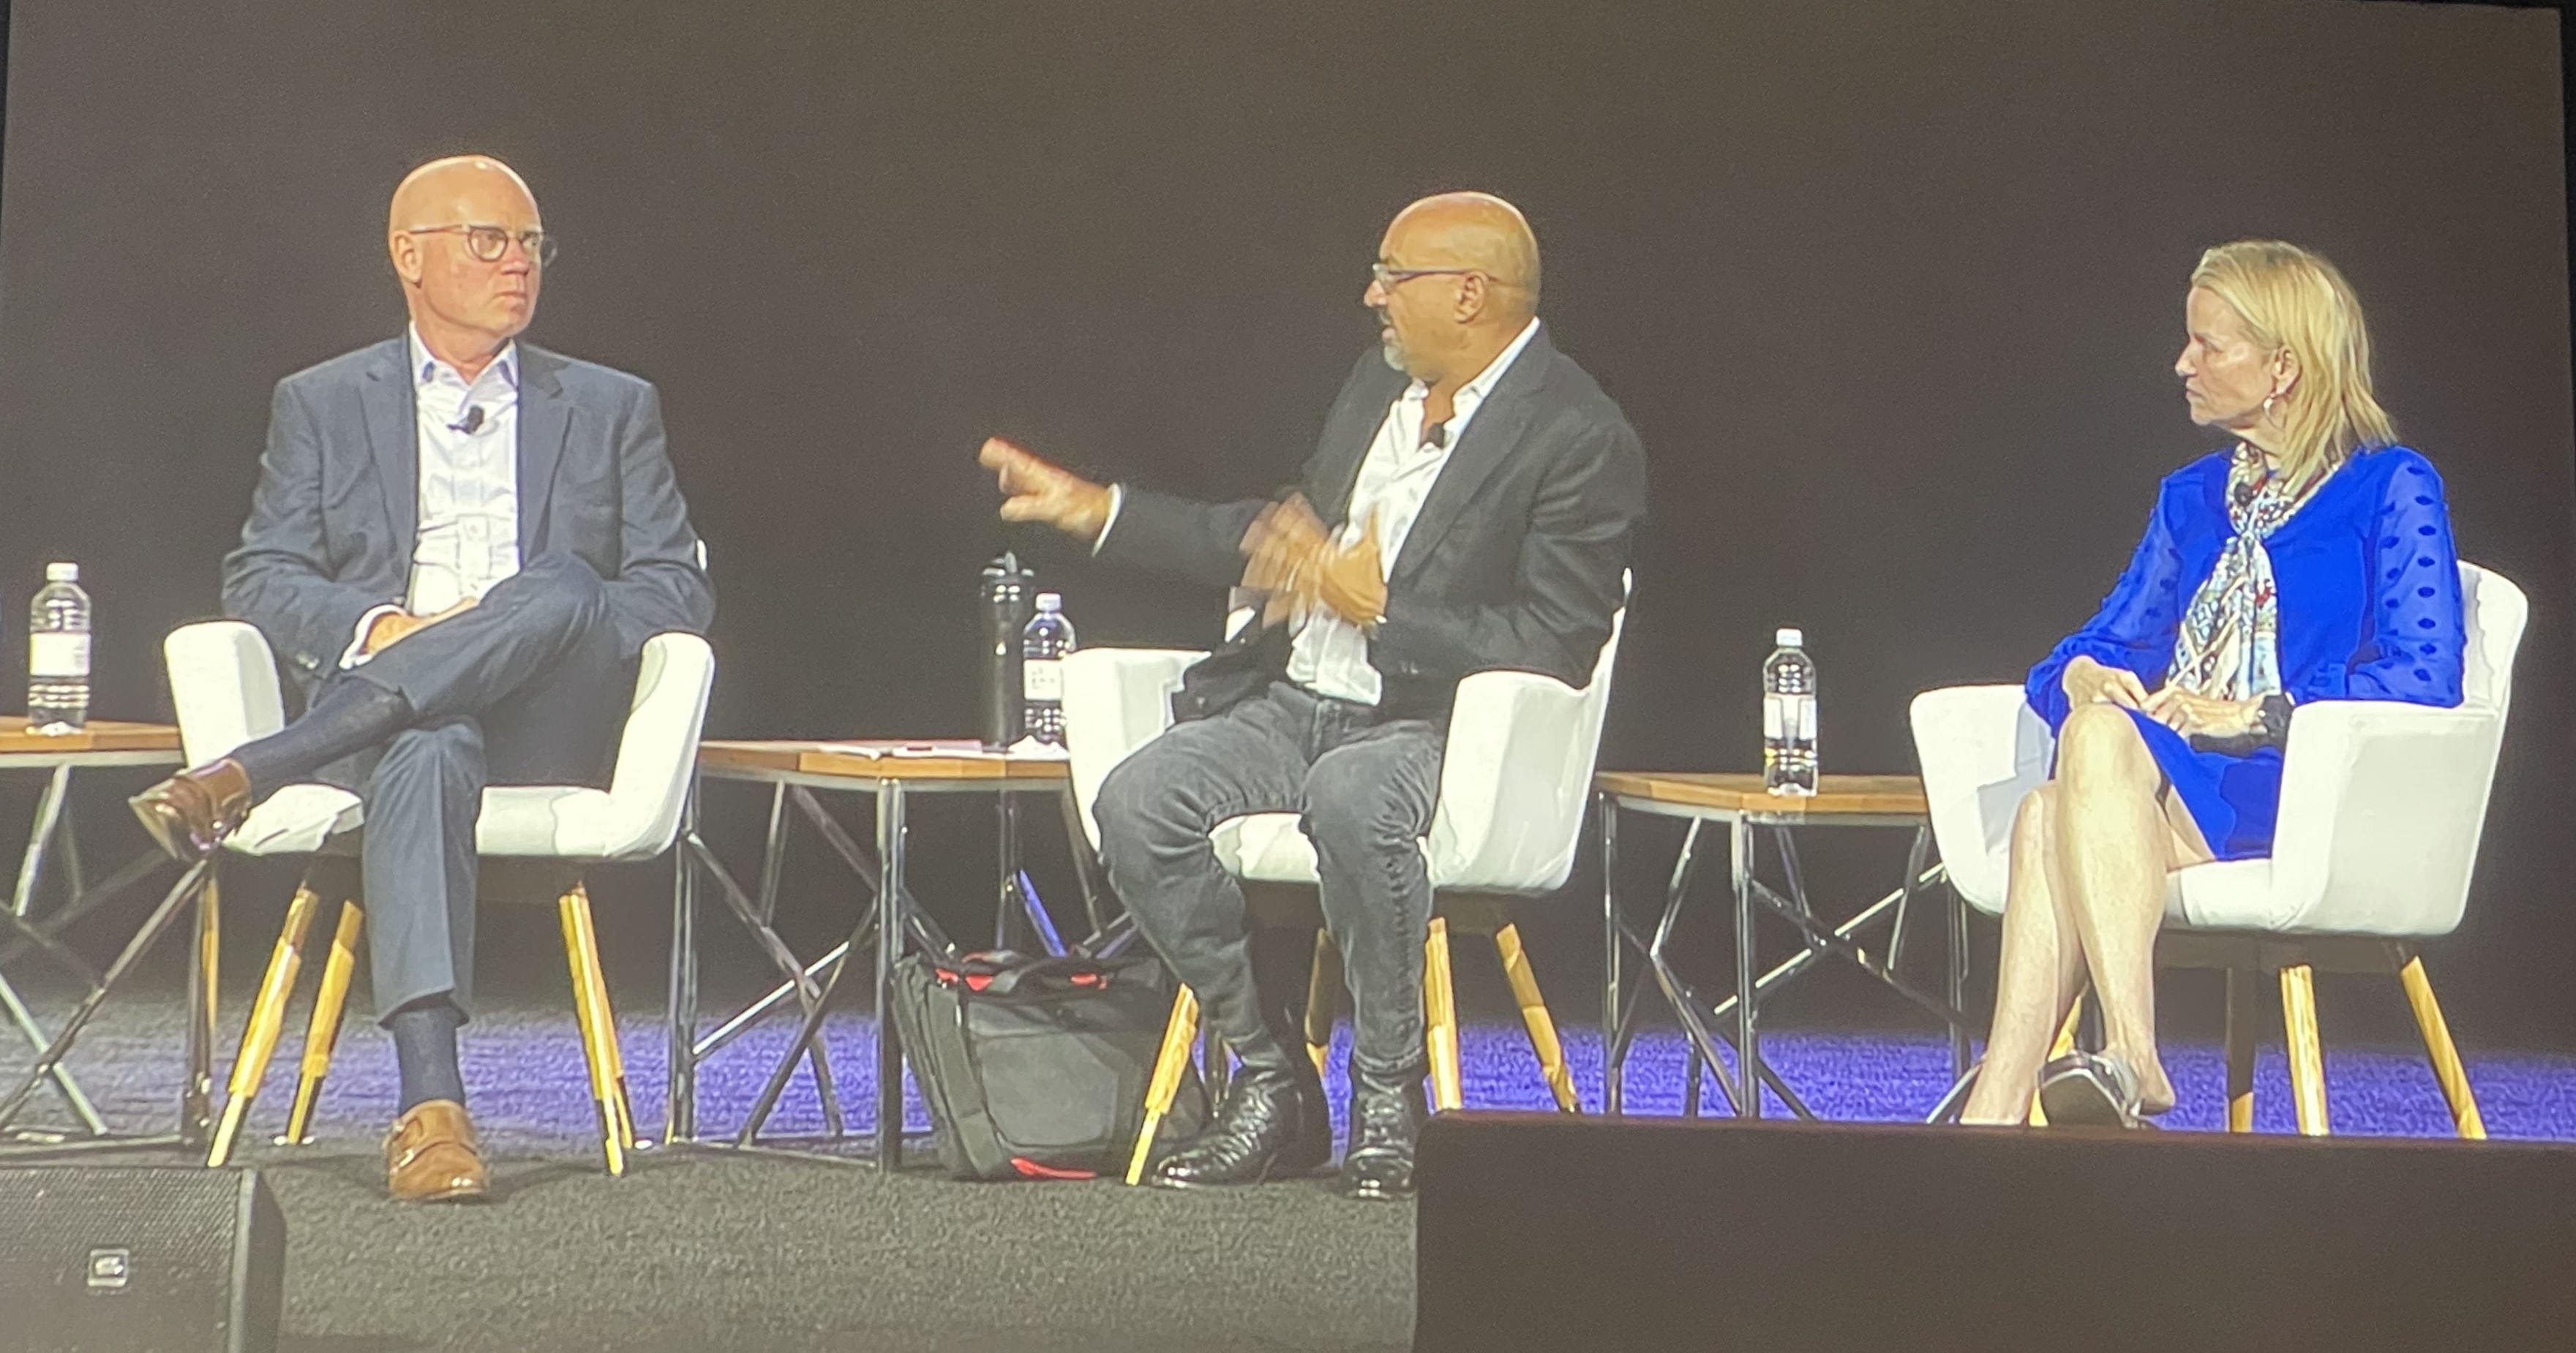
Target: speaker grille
{"x": 96, "y": 1257}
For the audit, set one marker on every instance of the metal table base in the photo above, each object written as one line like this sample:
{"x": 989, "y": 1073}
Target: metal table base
{"x": 812, "y": 984}
{"x": 197, "y": 884}
{"x": 1734, "y": 1023}
{"x": 53, "y": 838}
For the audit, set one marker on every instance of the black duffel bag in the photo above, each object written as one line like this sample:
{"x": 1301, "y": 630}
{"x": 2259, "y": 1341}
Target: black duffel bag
{"x": 1035, "y": 1068}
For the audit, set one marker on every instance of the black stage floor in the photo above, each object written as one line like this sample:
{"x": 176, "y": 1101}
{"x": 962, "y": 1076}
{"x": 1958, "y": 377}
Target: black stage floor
{"x": 709, "y": 1251}
{"x": 701, "y": 1252}
{"x": 706, "y": 1252}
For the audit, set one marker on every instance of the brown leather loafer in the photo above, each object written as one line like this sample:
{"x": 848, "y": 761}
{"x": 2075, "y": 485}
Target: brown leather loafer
{"x": 431, "y": 1156}
{"x": 191, "y": 813}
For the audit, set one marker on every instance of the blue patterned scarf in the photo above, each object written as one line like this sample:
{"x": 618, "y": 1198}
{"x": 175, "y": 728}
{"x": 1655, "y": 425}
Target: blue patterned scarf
{"x": 2228, "y": 644}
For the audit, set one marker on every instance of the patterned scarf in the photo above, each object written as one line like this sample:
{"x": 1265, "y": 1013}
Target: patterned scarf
{"x": 2228, "y": 645}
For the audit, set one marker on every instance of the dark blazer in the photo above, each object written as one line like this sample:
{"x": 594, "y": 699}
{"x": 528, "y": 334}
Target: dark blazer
{"x": 1515, "y": 562}
{"x": 333, "y": 523}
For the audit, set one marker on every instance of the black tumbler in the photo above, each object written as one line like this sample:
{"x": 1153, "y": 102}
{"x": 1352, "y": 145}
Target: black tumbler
{"x": 1009, "y": 591}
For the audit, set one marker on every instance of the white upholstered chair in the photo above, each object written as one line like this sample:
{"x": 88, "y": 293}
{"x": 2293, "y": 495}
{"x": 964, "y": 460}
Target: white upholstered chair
{"x": 1514, "y": 783}
{"x": 224, "y": 684}
{"x": 2382, "y": 804}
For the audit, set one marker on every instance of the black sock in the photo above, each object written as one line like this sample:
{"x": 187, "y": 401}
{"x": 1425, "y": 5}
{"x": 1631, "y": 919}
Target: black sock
{"x": 425, "y": 1051}
{"x": 350, "y": 716}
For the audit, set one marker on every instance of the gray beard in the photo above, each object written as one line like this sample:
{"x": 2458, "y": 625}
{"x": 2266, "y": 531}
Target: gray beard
{"x": 1392, "y": 349}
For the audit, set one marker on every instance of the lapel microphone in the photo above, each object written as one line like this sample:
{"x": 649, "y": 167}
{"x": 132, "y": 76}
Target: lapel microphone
{"x": 1436, "y": 435}
{"x": 471, "y": 423}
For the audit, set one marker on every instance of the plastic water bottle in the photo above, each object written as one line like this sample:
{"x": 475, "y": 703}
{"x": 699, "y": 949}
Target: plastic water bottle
{"x": 58, "y": 653}
{"x": 1789, "y": 717}
{"x": 1042, "y": 648}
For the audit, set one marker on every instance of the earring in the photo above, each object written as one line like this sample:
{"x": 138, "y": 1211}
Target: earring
{"x": 2268, "y": 401}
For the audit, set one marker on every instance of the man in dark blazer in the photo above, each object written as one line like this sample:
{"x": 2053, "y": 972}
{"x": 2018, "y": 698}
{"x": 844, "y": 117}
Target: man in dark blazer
{"x": 1470, "y": 507}
{"x": 458, "y": 545}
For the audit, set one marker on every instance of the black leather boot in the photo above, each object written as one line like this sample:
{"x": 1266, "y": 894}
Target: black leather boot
{"x": 1272, "y": 1124}
{"x": 1386, "y": 1120}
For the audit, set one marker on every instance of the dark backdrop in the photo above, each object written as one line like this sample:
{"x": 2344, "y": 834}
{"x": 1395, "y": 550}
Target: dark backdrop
{"x": 1891, "y": 291}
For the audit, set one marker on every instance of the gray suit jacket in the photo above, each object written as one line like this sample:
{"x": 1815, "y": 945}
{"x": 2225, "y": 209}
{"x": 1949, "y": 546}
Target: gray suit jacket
{"x": 333, "y": 523}
{"x": 1515, "y": 561}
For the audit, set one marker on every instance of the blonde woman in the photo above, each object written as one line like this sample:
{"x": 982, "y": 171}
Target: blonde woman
{"x": 2309, "y": 559}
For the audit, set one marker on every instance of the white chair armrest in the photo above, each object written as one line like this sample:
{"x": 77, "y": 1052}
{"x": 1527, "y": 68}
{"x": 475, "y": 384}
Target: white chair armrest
{"x": 1981, "y": 749}
{"x": 658, "y": 750}
{"x": 1514, "y": 784}
{"x": 223, "y": 684}
{"x": 1115, "y": 701}
{"x": 2382, "y": 805}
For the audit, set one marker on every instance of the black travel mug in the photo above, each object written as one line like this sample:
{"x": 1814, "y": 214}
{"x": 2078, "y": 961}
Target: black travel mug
{"x": 1008, "y": 594}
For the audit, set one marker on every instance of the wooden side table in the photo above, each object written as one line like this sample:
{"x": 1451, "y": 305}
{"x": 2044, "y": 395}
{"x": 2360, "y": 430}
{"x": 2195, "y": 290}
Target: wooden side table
{"x": 1740, "y": 803}
{"x": 889, "y": 772}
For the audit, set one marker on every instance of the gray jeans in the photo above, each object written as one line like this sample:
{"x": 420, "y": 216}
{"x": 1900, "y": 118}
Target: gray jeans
{"x": 1364, "y": 792}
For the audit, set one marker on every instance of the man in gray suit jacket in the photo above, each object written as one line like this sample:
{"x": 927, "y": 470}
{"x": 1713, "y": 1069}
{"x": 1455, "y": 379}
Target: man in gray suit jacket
{"x": 458, "y": 545}
{"x": 1470, "y": 507}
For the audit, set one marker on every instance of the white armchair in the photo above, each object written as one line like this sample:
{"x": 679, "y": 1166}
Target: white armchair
{"x": 223, "y": 682}
{"x": 2382, "y": 804}
{"x": 1513, "y": 789}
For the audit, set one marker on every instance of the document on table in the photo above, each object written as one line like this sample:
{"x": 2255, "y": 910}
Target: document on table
{"x": 1026, "y": 749}
{"x": 917, "y": 747}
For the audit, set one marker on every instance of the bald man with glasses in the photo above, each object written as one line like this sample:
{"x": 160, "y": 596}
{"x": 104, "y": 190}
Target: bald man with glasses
{"x": 1470, "y": 507}
{"x": 458, "y": 545}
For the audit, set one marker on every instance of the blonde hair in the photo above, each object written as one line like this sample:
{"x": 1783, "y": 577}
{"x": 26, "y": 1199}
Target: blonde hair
{"x": 2295, "y": 301}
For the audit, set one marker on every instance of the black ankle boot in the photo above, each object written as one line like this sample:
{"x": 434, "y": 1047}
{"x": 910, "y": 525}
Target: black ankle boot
{"x": 1272, "y": 1124}
{"x": 1386, "y": 1120}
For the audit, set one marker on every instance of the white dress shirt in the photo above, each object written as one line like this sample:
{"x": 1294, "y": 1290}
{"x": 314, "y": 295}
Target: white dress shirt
{"x": 1330, "y": 654}
{"x": 468, "y": 535}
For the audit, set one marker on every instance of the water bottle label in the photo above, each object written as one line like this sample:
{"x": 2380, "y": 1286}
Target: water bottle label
{"x": 1789, "y": 717}
{"x": 1042, "y": 679}
{"x": 58, "y": 656}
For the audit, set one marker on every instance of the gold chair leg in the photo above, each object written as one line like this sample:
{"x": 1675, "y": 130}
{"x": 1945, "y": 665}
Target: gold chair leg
{"x": 1534, "y": 1017}
{"x": 1170, "y": 1060}
{"x": 1440, "y": 1011}
{"x": 604, "y": 1011}
{"x": 2307, "y": 1053}
{"x": 2242, "y": 1011}
{"x": 322, "y": 1031}
{"x": 574, "y": 910}
{"x": 2445, "y": 1056}
{"x": 1323, "y": 991}
{"x": 2058, "y": 1047}
{"x": 267, "y": 1019}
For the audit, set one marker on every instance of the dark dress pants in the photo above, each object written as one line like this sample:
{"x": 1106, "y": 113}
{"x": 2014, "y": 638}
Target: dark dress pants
{"x": 1364, "y": 791}
{"x": 528, "y": 687}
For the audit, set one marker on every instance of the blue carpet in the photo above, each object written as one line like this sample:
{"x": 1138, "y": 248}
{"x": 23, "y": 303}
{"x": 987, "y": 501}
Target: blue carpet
{"x": 1862, "y": 1077}
{"x": 524, "y": 1071}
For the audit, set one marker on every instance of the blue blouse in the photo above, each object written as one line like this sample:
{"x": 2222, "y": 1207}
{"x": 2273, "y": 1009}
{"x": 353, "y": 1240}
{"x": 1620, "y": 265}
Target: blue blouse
{"x": 2369, "y": 592}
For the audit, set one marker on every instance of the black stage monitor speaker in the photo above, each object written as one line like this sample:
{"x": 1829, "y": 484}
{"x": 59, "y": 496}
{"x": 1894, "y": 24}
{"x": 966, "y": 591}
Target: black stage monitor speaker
{"x": 1560, "y": 1233}
{"x": 174, "y": 1259}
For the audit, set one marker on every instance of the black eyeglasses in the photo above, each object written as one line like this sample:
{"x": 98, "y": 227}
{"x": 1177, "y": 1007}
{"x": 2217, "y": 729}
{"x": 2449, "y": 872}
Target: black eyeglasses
{"x": 490, "y": 243}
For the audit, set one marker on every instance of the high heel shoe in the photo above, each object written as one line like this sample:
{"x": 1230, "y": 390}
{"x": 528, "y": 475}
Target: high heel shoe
{"x": 2090, "y": 1089}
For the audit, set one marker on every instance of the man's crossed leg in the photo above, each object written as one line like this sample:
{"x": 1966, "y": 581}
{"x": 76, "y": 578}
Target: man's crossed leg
{"x": 524, "y": 687}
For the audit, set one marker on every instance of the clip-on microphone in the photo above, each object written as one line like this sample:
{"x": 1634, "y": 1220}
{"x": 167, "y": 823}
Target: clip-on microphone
{"x": 471, "y": 423}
